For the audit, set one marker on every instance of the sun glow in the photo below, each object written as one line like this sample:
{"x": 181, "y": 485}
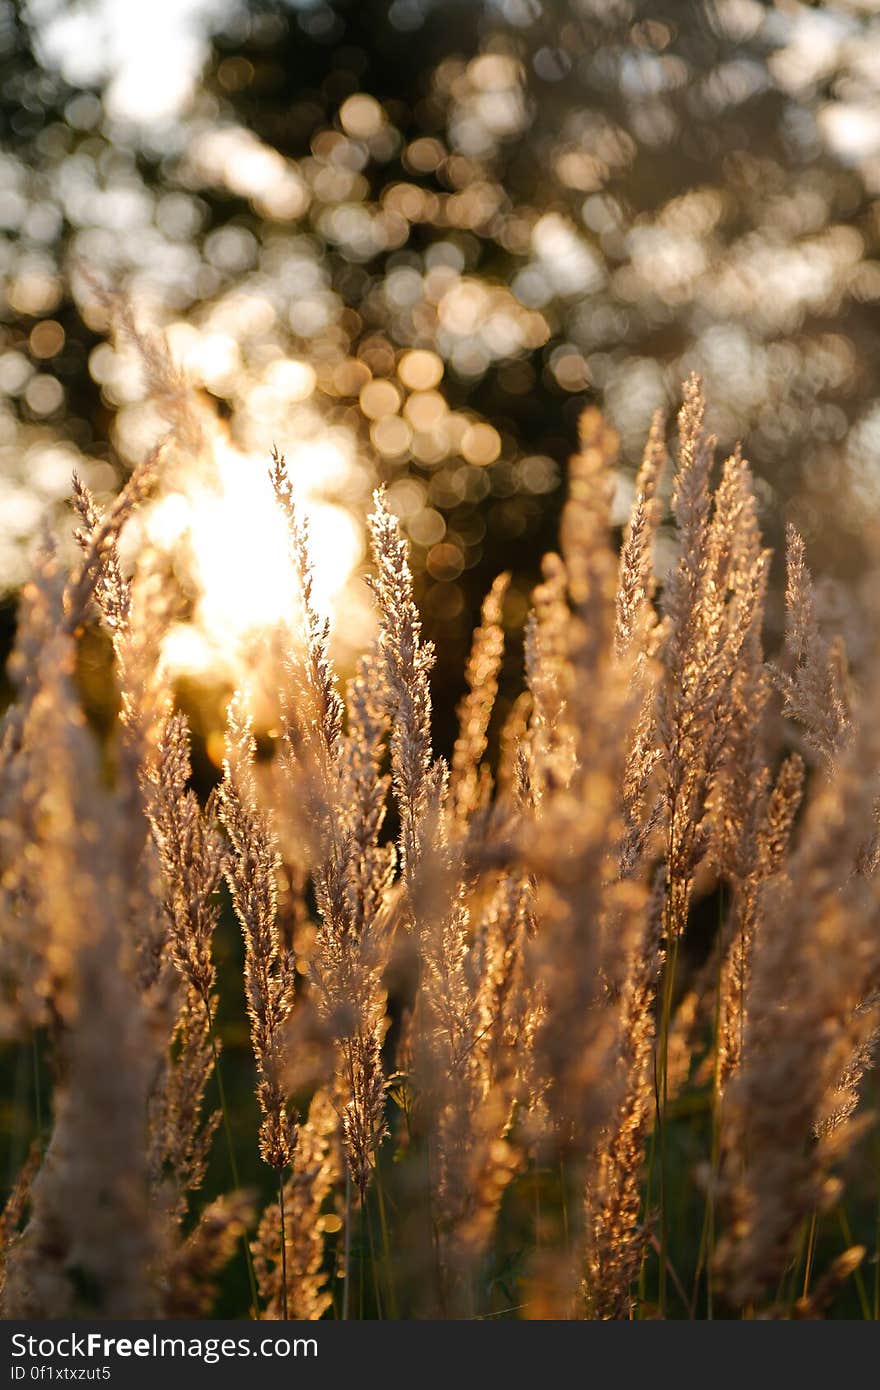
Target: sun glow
{"x": 229, "y": 543}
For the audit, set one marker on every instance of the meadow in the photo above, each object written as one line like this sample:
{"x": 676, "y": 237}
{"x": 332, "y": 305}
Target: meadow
{"x": 578, "y": 1021}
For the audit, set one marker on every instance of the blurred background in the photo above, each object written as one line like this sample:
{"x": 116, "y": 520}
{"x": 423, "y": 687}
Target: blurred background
{"x": 408, "y": 242}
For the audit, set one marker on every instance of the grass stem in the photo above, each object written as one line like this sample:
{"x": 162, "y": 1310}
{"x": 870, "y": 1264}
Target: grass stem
{"x": 283, "y": 1244}
{"x": 233, "y": 1164}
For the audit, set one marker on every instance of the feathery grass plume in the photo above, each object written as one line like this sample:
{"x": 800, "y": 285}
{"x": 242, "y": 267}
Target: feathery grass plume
{"x": 739, "y": 790}
{"x": 89, "y": 1244}
{"x": 475, "y": 1056}
{"x": 167, "y": 383}
{"x": 816, "y": 692}
{"x": 713, "y": 610}
{"x": 99, "y": 542}
{"x": 817, "y": 696}
{"x": 34, "y": 820}
{"x": 766, "y": 828}
{"x": 735, "y": 798}
{"x": 180, "y": 1136}
{"x": 134, "y": 614}
{"x": 190, "y": 1283}
{"x": 636, "y": 583}
{"x": 590, "y": 924}
{"x": 500, "y": 989}
{"x": 39, "y": 938}
{"x": 636, "y": 637}
{"x": 364, "y": 792}
{"x": 339, "y": 774}
{"x": 320, "y": 710}
{"x": 548, "y": 676}
{"x": 314, "y": 1172}
{"x": 844, "y": 1095}
{"x": 168, "y": 839}
{"x": 615, "y": 1237}
{"x": 251, "y": 867}
{"x": 499, "y": 1056}
{"x": 815, "y": 959}
{"x": 466, "y": 794}
{"x": 464, "y": 1068}
{"x": 586, "y": 919}
{"x": 681, "y": 712}
{"x": 100, "y": 575}
{"x": 407, "y": 664}
{"x": 190, "y": 853}
{"x": 16, "y": 1205}
{"x": 461, "y": 1067}
{"x": 52, "y": 609}
{"x": 175, "y": 1149}
{"x": 713, "y": 602}
{"x": 367, "y": 884}
{"x": 749, "y": 820}
{"x": 832, "y": 1279}
{"x": 183, "y": 1020}
{"x": 434, "y": 903}
{"x": 513, "y": 752}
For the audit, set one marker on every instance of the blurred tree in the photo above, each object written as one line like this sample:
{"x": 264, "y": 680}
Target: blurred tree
{"x": 551, "y": 202}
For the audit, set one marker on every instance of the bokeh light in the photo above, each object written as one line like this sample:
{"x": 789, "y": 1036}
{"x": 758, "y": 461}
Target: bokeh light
{"x": 231, "y": 545}
{"x": 435, "y": 230}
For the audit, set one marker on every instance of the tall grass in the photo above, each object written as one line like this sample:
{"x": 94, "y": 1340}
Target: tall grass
{"x": 495, "y": 1076}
